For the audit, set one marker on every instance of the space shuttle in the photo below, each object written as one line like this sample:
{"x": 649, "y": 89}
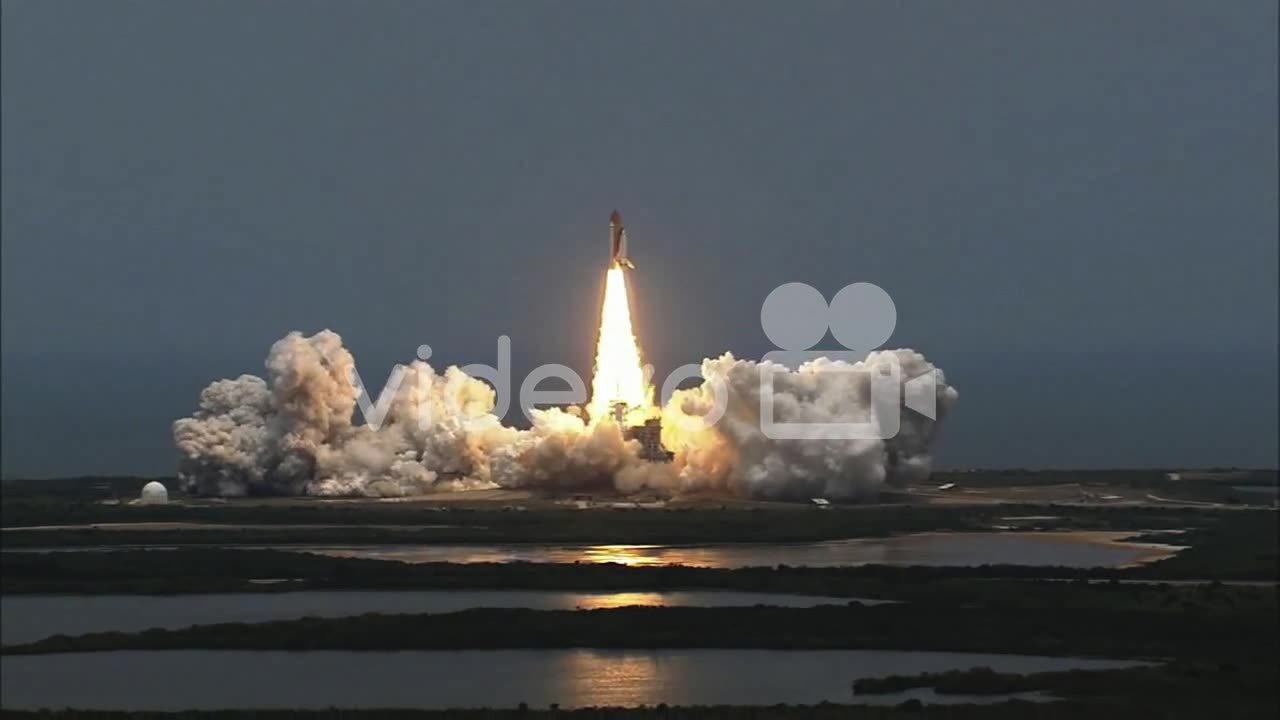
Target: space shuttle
{"x": 618, "y": 243}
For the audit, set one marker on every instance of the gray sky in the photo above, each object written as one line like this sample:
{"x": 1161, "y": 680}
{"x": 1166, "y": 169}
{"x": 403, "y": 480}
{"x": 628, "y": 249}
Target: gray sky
{"x": 1074, "y": 205}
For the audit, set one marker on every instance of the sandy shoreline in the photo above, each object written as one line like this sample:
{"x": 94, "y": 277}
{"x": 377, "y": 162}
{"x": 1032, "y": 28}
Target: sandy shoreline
{"x": 1150, "y": 552}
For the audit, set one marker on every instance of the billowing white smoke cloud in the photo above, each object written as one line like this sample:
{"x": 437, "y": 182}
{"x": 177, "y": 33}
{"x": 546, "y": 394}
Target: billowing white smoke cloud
{"x": 735, "y": 454}
{"x": 293, "y": 434}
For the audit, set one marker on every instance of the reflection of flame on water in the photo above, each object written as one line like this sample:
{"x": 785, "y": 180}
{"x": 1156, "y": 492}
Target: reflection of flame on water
{"x": 613, "y": 678}
{"x": 620, "y": 599}
{"x": 629, "y": 555}
{"x": 1074, "y": 549}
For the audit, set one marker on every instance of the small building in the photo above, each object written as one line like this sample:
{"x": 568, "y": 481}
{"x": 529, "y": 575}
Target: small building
{"x": 154, "y": 493}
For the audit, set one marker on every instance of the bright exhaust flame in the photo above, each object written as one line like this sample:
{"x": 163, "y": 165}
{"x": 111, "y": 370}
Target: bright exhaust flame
{"x": 619, "y": 375}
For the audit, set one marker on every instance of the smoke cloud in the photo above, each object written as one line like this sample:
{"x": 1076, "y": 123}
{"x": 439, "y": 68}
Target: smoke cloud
{"x": 292, "y": 433}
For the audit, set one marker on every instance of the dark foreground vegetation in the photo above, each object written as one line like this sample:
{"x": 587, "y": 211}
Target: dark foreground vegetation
{"x": 1225, "y": 545}
{"x": 1241, "y": 544}
{"x": 1251, "y": 680}
{"x": 1216, "y": 643}
{"x": 1177, "y": 690}
{"x": 1227, "y": 688}
{"x": 1222, "y": 630}
{"x": 271, "y": 571}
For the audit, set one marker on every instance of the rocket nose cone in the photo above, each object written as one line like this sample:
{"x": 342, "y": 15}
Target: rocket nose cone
{"x": 615, "y": 218}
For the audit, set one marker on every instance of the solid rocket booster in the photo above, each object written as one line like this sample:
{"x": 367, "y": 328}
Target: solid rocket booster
{"x": 618, "y": 243}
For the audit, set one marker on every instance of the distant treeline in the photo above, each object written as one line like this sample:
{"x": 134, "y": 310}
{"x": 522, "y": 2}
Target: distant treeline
{"x": 1224, "y": 686}
{"x": 409, "y": 523}
{"x": 1190, "y": 631}
{"x": 197, "y": 570}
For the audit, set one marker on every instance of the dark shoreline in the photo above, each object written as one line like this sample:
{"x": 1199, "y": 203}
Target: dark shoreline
{"x": 1216, "y": 627}
{"x": 1239, "y": 546}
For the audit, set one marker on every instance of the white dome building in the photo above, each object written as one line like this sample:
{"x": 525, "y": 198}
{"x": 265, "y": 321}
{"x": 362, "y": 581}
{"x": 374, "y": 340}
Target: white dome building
{"x": 154, "y": 493}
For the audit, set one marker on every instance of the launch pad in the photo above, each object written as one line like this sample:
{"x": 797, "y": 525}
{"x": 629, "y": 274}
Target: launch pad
{"x": 650, "y": 437}
{"x": 620, "y": 386}
{"x": 648, "y": 434}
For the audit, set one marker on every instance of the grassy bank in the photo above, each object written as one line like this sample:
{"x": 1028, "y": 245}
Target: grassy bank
{"x": 1191, "y": 631}
{"x": 391, "y": 524}
{"x": 199, "y": 570}
{"x": 1226, "y": 686}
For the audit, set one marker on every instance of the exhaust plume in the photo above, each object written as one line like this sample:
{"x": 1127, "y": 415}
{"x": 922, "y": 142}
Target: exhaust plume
{"x": 619, "y": 374}
{"x": 292, "y": 433}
